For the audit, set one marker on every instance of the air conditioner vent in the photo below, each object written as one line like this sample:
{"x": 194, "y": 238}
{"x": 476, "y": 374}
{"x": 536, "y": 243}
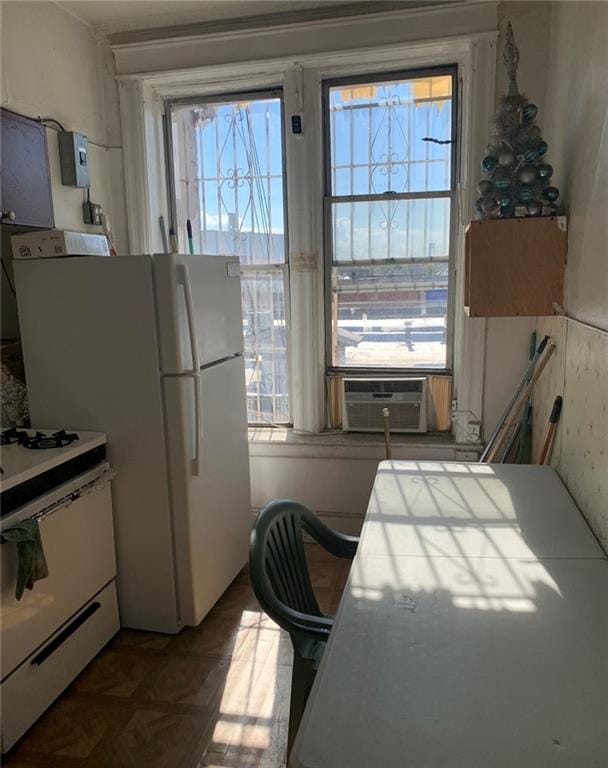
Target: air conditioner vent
{"x": 363, "y": 401}
{"x": 362, "y": 385}
{"x": 404, "y": 385}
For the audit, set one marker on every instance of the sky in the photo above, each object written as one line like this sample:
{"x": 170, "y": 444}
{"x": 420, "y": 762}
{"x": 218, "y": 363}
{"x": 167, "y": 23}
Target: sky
{"x": 360, "y": 135}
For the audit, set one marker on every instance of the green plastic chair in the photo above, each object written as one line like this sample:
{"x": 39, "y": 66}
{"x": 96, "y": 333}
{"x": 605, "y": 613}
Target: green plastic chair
{"x": 281, "y": 582}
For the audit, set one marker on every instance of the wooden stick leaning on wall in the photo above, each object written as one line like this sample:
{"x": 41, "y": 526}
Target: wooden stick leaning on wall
{"x": 545, "y": 452}
{"x": 525, "y": 436}
{"x": 526, "y": 378}
{"x": 506, "y": 427}
{"x": 508, "y": 455}
{"x": 387, "y": 433}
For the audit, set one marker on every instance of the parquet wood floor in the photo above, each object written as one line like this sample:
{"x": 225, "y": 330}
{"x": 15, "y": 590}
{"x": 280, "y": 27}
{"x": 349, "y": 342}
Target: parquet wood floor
{"x": 216, "y": 695}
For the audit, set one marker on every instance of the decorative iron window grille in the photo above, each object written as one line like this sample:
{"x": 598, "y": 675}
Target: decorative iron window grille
{"x": 228, "y": 179}
{"x": 390, "y": 177}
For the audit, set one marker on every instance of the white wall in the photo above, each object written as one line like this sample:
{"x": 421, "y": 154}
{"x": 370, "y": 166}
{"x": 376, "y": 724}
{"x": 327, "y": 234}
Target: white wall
{"x": 577, "y": 131}
{"x": 333, "y": 475}
{"x": 165, "y": 54}
{"x": 54, "y": 66}
{"x": 507, "y": 339}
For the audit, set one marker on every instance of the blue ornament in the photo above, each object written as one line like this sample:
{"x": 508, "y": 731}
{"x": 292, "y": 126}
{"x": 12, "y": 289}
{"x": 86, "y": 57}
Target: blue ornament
{"x": 489, "y": 163}
{"x": 542, "y": 147}
{"x": 504, "y": 200}
{"x": 525, "y": 193}
{"x": 502, "y": 182}
{"x": 544, "y": 171}
{"x": 529, "y": 112}
{"x": 551, "y": 194}
{"x": 531, "y": 154}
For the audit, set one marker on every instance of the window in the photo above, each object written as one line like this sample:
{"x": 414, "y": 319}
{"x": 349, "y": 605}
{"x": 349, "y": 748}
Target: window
{"x": 390, "y": 149}
{"x": 228, "y": 179}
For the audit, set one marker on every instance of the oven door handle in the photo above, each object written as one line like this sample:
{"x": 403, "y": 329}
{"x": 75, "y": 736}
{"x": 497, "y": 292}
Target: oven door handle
{"x": 65, "y": 634}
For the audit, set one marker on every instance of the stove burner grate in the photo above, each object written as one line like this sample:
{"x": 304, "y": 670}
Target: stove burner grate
{"x": 40, "y": 441}
{"x": 12, "y": 436}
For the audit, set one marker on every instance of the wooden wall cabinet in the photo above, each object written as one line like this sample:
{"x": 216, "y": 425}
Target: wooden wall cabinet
{"x": 25, "y": 191}
{"x": 515, "y": 267}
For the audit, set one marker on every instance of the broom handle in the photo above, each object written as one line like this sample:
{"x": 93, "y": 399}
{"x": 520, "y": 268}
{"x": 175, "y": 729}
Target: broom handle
{"x": 506, "y": 427}
{"x": 544, "y": 455}
{"x": 544, "y": 451}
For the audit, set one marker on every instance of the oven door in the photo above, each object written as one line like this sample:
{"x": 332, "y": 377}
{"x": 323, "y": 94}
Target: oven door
{"x": 78, "y": 542}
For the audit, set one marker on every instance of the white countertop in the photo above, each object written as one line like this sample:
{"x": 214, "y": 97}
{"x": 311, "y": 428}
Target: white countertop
{"x": 20, "y": 464}
{"x": 472, "y": 632}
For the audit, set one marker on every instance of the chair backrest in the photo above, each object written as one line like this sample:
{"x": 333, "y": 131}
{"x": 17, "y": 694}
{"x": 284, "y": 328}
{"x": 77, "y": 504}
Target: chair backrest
{"x": 279, "y": 571}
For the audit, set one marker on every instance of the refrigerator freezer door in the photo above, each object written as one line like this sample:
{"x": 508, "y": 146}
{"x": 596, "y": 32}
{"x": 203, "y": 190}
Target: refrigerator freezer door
{"x": 199, "y": 310}
{"x": 211, "y": 509}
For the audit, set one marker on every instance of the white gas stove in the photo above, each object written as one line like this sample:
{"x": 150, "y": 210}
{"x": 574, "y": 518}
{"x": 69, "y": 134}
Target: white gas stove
{"x": 35, "y": 462}
{"x": 52, "y": 631}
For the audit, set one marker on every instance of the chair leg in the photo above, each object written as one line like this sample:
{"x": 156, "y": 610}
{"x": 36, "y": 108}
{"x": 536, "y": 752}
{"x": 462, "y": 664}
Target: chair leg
{"x": 302, "y": 678}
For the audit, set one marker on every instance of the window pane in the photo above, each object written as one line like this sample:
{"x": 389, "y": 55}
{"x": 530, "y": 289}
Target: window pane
{"x": 228, "y": 166}
{"x": 228, "y": 174}
{"x": 266, "y": 362}
{"x": 391, "y": 229}
{"x": 379, "y": 132}
{"x": 390, "y": 316}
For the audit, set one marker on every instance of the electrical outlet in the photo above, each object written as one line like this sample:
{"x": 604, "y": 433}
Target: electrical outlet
{"x": 92, "y": 213}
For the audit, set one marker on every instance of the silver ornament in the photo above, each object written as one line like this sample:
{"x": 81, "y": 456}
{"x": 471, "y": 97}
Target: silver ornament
{"x": 506, "y": 158}
{"x": 527, "y": 174}
{"x": 484, "y": 187}
{"x": 534, "y": 208}
{"x": 488, "y": 203}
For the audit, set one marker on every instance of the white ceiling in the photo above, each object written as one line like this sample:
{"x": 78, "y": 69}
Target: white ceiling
{"x": 117, "y": 16}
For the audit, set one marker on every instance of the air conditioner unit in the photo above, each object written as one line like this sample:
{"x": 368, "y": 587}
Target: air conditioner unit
{"x": 363, "y": 401}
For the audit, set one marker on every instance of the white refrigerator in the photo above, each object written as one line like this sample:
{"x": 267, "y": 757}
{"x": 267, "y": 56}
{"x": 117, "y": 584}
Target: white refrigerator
{"x": 149, "y": 349}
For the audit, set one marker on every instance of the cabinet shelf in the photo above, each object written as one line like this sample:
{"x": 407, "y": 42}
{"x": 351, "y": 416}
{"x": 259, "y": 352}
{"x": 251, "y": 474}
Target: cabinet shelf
{"x": 515, "y": 267}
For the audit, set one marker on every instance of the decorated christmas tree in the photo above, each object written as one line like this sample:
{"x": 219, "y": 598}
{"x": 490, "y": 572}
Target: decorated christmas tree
{"x": 516, "y": 178}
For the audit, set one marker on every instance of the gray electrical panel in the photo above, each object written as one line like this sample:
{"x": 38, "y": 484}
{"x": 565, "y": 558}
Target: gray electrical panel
{"x": 74, "y": 159}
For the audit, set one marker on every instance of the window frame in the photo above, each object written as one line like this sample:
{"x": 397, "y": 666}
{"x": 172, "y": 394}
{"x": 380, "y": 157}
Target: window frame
{"x": 222, "y": 97}
{"x": 377, "y": 76}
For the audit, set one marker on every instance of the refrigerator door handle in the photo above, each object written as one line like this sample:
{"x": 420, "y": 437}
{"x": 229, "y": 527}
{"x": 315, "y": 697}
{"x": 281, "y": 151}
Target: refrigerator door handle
{"x": 198, "y": 440}
{"x": 184, "y": 276}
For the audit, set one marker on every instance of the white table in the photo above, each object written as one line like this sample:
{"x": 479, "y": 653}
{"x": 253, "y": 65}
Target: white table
{"x": 473, "y": 630}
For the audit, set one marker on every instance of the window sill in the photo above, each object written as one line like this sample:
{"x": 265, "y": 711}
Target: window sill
{"x": 283, "y": 442}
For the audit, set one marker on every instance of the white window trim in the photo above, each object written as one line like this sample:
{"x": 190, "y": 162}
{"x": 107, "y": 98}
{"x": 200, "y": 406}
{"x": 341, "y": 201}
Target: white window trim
{"x": 141, "y": 100}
